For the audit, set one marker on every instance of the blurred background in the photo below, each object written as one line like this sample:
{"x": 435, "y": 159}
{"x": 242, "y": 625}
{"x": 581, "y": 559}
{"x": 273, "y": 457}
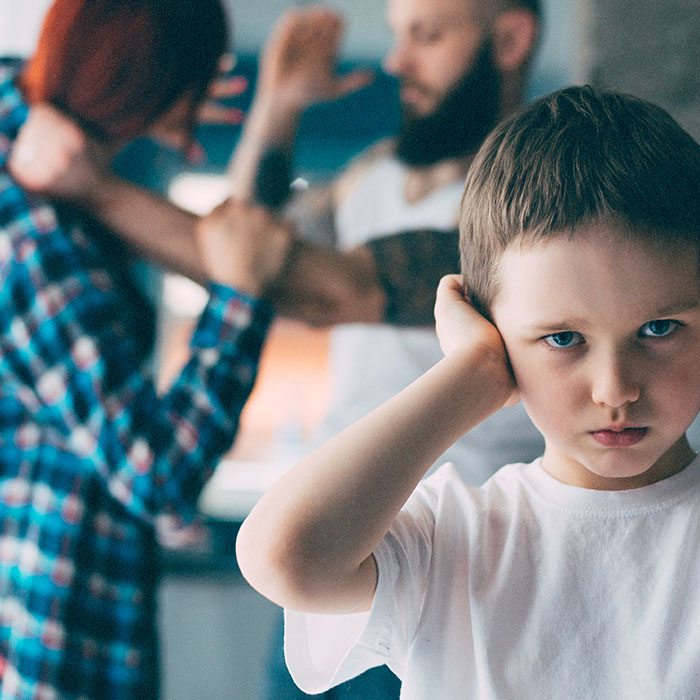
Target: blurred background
{"x": 326, "y": 140}
{"x": 214, "y": 628}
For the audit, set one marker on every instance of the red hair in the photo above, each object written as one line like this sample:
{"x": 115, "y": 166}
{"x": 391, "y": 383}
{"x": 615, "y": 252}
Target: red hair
{"x": 115, "y": 66}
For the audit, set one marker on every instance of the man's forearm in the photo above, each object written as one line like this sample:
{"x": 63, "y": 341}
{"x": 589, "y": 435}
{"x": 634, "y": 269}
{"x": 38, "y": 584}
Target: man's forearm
{"x": 324, "y": 287}
{"x": 409, "y": 265}
{"x": 260, "y": 167}
{"x": 388, "y": 280}
{"x": 318, "y": 286}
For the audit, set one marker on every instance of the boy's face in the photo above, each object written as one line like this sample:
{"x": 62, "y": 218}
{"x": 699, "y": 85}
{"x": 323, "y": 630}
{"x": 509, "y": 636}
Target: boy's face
{"x": 603, "y": 335}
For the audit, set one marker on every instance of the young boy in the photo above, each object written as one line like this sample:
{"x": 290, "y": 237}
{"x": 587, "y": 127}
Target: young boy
{"x": 575, "y": 576}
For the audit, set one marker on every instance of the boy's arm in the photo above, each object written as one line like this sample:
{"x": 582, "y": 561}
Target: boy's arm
{"x": 307, "y": 544}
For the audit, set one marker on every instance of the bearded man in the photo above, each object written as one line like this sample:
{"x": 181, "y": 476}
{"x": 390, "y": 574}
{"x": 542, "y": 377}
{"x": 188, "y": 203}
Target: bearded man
{"x": 389, "y": 221}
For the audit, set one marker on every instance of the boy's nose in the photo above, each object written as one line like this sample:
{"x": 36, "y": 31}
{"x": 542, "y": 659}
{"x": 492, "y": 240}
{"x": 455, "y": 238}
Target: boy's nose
{"x": 613, "y": 382}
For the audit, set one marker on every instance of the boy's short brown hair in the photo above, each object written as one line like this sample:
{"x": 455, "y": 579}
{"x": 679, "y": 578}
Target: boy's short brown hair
{"x": 578, "y": 156}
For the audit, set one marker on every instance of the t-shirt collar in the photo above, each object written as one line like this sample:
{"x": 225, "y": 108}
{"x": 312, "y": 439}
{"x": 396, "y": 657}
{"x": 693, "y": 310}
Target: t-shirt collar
{"x": 658, "y": 495}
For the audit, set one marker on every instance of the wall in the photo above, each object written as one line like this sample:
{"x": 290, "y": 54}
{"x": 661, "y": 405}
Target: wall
{"x": 19, "y": 25}
{"x": 367, "y": 35}
{"x": 648, "y": 48}
{"x": 215, "y": 636}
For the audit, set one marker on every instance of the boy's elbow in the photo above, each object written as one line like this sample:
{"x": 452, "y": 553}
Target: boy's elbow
{"x": 273, "y": 570}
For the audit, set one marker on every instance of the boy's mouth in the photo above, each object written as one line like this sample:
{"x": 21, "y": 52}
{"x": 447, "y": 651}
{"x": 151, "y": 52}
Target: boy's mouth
{"x": 622, "y": 437}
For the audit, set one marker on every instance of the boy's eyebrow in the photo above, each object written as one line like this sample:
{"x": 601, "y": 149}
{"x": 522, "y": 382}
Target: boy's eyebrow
{"x": 570, "y": 324}
{"x": 563, "y": 325}
{"x": 678, "y": 307}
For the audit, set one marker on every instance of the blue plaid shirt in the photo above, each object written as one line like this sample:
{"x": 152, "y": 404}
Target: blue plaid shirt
{"x": 89, "y": 453}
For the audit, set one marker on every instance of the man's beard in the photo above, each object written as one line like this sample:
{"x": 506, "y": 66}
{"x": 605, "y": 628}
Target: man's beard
{"x": 459, "y": 124}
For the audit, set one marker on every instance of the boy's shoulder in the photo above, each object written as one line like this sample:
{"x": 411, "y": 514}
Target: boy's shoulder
{"x": 447, "y": 496}
{"x": 448, "y": 476}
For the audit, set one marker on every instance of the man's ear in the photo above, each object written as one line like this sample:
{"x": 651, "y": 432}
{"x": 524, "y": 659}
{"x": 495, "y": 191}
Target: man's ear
{"x": 514, "y": 37}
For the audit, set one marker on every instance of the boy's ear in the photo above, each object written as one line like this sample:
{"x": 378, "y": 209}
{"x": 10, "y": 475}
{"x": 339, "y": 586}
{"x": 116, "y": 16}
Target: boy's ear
{"x": 514, "y": 37}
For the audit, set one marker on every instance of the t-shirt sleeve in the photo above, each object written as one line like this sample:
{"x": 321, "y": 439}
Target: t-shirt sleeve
{"x": 325, "y": 650}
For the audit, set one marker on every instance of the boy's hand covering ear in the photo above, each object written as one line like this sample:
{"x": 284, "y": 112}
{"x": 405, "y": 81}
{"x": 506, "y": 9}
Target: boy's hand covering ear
{"x": 53, "y": 157}
{"x": 460, "y": 326}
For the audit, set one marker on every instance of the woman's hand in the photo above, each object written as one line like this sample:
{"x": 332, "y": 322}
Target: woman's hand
{"x": 223, "y": 87}
{"x": 53, "y": 157}
{"x": 460, "y": 327}
{"x": 243, "y": 246}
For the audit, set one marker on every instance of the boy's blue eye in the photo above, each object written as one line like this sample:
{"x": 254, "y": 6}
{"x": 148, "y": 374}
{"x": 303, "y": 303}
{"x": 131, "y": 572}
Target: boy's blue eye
{"x": 565, "y": 339}
{"x": 658, "y": 329}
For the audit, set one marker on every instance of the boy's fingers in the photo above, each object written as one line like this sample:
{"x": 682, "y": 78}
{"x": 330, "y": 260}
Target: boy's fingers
{"x": 453, "y": 281}
{"x": 227, "y": 63}
{"x": 451, "y": 288}
{"x": 514, "y": 398}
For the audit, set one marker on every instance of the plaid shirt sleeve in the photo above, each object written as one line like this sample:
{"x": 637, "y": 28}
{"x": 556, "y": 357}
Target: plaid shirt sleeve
{"x": 70, "y": 343}
{"x": 157, "y": 451}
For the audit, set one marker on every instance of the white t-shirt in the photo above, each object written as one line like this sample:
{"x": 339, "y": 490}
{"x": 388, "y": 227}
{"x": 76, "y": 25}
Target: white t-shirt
{"x": 370, "y": 363}
{"x": 526, "y": 588}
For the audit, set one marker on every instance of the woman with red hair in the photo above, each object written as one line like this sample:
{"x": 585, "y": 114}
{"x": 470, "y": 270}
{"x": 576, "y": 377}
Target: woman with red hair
{"x": 90, "y": 454}
{"x": 118, "y": 67}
